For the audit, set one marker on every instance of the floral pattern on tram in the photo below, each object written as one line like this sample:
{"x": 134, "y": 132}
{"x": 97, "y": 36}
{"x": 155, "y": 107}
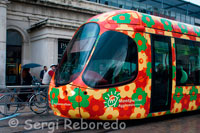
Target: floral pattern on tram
{"x": 130, "y": 101}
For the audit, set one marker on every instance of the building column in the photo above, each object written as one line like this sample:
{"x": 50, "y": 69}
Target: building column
{"x": 3, "y": 14}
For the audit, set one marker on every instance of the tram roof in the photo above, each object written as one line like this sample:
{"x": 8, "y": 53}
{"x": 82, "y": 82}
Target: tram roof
{"x": 112, "y": 20}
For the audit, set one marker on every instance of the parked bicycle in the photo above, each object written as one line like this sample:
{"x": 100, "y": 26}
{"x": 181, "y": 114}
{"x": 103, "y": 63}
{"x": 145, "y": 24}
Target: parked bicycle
{"x": 11, "y": 102}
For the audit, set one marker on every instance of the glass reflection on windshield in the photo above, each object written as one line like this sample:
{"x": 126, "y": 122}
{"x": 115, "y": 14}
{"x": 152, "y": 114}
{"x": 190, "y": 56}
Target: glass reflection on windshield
{"x": 114, "y": 61}
{"x": 77, "y": 53}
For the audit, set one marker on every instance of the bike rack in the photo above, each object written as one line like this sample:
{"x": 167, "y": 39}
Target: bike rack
{"x": 19, "y": 89}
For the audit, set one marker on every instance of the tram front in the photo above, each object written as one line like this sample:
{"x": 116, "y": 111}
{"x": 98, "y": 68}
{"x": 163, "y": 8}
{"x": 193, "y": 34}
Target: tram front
{"x": 64, "y": 87}
{"x": 96, "y": 76}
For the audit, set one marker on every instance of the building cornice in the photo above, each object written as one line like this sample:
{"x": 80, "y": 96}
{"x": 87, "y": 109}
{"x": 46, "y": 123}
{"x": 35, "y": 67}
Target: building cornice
{"x": 49, "y": 22}
{"x": 72, "y": 5}
{"x": 3, "y": 3}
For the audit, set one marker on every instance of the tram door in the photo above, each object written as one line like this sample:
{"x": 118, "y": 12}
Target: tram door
{"x": 161, "y": 73}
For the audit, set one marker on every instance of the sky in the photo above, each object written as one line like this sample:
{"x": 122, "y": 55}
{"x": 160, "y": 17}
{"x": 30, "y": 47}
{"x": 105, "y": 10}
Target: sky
{"x": 194, "y": 1}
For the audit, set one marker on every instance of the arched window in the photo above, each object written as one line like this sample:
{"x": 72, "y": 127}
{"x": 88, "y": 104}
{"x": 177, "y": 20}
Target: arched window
{"x": 13, "y": 57}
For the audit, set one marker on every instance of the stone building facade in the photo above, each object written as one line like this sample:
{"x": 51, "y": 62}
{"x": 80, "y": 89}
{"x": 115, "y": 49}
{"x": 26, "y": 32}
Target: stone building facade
{"x": 37, "y": 31}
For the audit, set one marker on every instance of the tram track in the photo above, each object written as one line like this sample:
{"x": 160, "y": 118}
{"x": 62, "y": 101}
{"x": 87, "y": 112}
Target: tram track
{"x": 156, "y": 122}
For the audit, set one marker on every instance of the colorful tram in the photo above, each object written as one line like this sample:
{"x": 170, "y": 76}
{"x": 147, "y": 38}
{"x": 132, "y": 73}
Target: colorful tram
{"x": 128, "y": 65}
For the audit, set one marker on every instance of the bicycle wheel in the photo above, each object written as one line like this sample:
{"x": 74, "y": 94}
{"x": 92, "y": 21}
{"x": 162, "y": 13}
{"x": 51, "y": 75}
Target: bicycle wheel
{"x": 8, "y": 105}
{"x": 38, "y": 103}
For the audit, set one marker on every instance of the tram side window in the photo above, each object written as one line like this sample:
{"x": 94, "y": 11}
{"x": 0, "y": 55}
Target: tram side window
{"x": 187, "y": 62}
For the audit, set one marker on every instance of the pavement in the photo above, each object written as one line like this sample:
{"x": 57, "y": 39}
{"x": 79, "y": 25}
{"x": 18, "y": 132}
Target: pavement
{"x": 28, "y": 122}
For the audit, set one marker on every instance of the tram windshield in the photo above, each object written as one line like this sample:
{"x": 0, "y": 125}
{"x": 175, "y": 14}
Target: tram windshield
{"x": 114, "y": 61}
{"x": 76, "y": 54}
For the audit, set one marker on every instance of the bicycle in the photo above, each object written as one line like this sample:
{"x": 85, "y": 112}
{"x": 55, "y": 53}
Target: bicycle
{"x": 37, "y": 101}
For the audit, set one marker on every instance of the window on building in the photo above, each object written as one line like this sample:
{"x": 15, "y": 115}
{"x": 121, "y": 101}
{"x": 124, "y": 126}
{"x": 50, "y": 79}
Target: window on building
{"x": 183, "y": 18}
{"x": 128, "y": 4}
{"x": 62, "y": 45}
{"x": 187, "y": 62}
{"x": 13, "y": 57}
{"x": 106, "y": 2}
{"x": 113, "y": 3}
{"x": 188, "y": 20}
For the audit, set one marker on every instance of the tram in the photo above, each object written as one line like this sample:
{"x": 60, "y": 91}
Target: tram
{"x": 128, "y": 65}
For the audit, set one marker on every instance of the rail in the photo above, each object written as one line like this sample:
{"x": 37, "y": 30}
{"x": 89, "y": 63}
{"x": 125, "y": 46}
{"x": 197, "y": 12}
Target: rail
{"x": 16, "y": 98}
{"x": 26, "y": 86}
